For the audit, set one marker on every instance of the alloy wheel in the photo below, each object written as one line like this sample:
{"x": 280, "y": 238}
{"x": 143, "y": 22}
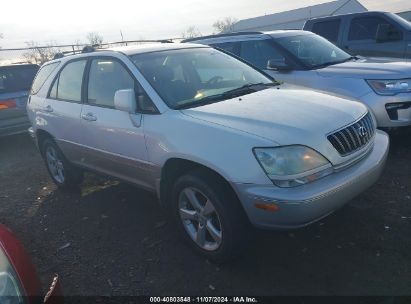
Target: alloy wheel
{"x": 200, "y": 219}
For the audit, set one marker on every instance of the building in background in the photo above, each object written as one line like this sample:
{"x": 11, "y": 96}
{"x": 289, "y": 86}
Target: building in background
{"x": 296, "y": 18}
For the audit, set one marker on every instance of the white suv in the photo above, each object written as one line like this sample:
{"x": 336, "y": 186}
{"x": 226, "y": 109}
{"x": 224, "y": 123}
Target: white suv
{"x": 220, "y": 143}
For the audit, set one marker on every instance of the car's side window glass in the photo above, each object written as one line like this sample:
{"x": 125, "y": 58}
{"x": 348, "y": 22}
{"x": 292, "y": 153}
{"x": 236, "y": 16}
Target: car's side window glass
{"x": 70, "y": 81}
{"x": 328, "y": 29}
{"x": 106, "y": 77}
{"x": 258, "y": 52}
{"x": 365, "y": 28}
{"x": 53, "y": 91}
{"x": 42, "y": 76}
{"x": 231, "y": 47}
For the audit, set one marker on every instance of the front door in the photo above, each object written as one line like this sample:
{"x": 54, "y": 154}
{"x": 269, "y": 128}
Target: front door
{"x": 114, "y": 139}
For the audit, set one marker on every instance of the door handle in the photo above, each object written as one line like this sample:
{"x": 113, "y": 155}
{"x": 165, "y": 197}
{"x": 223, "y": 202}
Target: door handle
{"x": 89, "y": 117}
{"x": 48, "y": 109}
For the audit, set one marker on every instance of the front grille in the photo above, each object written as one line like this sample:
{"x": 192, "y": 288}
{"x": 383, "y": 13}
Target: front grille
{"x": 353, "y": 137}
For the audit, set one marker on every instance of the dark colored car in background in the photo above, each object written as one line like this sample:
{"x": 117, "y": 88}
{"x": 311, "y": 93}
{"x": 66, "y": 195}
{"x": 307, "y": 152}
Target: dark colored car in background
{"x": 371, "y": 34}
{"x": 15, "y": 83}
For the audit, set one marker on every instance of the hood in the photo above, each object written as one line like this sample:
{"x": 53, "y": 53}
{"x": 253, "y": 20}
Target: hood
{"x": 369, "y": 68}
{"x": 283, "y": 116}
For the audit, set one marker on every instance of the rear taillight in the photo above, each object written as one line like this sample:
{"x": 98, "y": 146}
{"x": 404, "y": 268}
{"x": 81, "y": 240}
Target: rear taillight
{"x": 7, "y": 104}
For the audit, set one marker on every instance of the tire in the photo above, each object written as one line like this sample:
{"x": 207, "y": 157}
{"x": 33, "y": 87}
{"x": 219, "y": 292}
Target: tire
{"x": 62, "y": 172}
{"x": 209, "y": 216}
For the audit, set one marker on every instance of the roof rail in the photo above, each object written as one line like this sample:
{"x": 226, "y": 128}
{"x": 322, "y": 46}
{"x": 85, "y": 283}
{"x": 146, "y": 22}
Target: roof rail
{"x": 221, "y": 35}
{"x": 103, "y": 46}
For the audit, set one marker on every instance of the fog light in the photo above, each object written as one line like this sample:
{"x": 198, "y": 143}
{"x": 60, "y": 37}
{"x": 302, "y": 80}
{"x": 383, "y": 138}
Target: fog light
{"x": 267, "y": 207}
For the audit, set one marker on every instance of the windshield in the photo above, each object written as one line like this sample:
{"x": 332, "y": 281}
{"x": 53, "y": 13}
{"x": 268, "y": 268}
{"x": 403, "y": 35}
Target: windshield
{"x": 195, "y": 76}
{"x": 313, "y": 51}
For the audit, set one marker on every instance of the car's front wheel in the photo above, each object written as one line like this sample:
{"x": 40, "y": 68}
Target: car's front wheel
{"x": 209, "y": 215}
{"x": 62, "y": 172}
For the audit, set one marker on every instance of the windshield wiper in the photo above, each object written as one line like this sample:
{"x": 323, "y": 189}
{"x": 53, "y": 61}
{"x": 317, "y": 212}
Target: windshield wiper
{"x": 325, "y": 64}
{"x": 243, "y": 90}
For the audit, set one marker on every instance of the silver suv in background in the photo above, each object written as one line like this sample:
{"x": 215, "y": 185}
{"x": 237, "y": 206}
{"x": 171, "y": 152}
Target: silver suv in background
{"x": 15, "y": 83}
{"x": 219, "y": 142}
{"x": 306, "y": 59}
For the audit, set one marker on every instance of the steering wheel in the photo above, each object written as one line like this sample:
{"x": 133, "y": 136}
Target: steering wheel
{"x": 214, "y": 80}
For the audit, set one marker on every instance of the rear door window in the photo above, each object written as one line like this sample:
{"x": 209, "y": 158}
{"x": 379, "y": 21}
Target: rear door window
{"x": 258, "y": 52}
{"x": 328, "y": 29}
{"x": 18, "y": 78}
{"x": 68, "y": 84}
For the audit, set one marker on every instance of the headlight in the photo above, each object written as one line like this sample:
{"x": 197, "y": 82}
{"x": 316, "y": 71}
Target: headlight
{"x": 10, "y": 290}
{"x": 292, "y": 166}
{"x": 390, "y": 87}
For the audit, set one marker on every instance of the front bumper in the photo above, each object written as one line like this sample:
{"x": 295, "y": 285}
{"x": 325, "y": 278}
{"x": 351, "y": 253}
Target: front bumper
{"x": 387, "y": 115}
{"x": 303, "y": 205}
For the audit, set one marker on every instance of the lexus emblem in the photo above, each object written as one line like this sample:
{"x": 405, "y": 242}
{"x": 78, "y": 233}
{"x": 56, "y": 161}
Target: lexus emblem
{"x": 362, "y": 131}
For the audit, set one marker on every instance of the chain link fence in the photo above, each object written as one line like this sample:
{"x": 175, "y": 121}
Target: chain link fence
{"x": 42, "y": 54}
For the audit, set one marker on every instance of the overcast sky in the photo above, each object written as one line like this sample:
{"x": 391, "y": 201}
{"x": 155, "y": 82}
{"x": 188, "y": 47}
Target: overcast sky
{"x": 68, "y": 21}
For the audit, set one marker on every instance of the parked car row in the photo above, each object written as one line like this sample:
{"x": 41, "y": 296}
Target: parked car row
{"x": 221, "y": 143}
{"x": 306, "y": 59}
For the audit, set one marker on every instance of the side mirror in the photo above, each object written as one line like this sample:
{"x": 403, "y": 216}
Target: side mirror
{"x": 278, "y": 65}
{"x": 386, "y": 32}
{"x": 125, "y": 100}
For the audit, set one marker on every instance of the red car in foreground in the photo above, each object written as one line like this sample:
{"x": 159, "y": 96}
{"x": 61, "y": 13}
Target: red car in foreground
{"x": 19, "y": 282}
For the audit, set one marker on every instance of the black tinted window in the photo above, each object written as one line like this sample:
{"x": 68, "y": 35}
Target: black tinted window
{"x": 258, "y": 52}
{"x": 70, "y": 80}
{"x": 231, "y": 47}
{"x": 106, "y": 77}
{"x": 328, "y": 29}
{"x": 365, "y": 28}
{"x": 42, "y": 76}
{"x": 18, "y": 78}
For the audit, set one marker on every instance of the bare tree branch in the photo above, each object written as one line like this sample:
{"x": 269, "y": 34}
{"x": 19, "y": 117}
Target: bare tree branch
{"x": 225, "y": 25}
{"x": 94, "y": 38}
{"x": 191, "y": 32}
{"x": 40, "y": 55}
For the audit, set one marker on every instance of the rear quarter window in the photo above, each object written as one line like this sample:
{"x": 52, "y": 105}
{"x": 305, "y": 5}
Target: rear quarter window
{"x": 42, "y": 76}
{"x": 18, "y": 78}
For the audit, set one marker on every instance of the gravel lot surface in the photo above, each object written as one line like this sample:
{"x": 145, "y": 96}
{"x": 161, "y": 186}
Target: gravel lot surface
{"x": 112, "y": 239}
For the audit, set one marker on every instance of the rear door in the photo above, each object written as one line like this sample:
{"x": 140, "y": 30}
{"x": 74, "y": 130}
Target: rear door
{"x": 62, "y": 108}
{"x": 114, "y": 139}
{"x": 15, "y": 83}
{"x": 361, "y": 38}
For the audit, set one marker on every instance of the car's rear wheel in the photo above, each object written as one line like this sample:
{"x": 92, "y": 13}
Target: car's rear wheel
{"x": 209, "y": 215}
{"x": 61, "y": 171}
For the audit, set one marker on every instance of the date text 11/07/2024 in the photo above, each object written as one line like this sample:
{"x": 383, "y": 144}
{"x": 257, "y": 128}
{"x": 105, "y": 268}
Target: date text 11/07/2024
{"x": 239, "y": 299}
